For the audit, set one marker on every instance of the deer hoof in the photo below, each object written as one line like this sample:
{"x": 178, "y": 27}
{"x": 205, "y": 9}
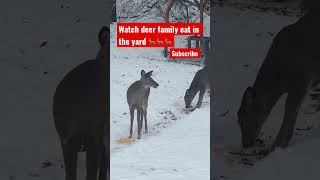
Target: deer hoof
{"x": 130, "y": 136}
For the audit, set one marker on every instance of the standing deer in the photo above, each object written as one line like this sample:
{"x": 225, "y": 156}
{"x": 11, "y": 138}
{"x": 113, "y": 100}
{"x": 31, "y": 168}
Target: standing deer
{"x": 80, "y": 113}
{"x": 137, "y": 98}
{"x": 291, "y": 66}
{"x": 200, "y": 83}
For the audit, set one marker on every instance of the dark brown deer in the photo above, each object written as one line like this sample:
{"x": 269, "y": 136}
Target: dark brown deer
{"x": 137, "y": 98}
{"x": 291, "y": 66}
{"x": 80, "y": 113}
{"x": 200, "y": 83}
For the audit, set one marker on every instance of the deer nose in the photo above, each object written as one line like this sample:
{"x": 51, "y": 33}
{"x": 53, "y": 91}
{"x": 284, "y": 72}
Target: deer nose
{"x": 156, "y": 85}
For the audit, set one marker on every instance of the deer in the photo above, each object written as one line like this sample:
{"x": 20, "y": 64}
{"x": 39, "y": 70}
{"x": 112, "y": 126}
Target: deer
{"x": 168, "y": 42}
{"x": 160, "y": 41}
{"x": 291, "y": 67}
{"x": 200, "y": 82}
{"x": 137, "y": 98}
{"x": 80, "y": 113}
{"x": 152, "y": 42}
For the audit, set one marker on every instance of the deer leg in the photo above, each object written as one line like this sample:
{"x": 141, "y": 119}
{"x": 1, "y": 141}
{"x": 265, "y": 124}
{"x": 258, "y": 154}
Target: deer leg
{"x": 139, "y": 122}
{"x": 202, "y": 91}
{"x": 107, "y": 154}
{"x": 131, "y": 120}
{"x": 103, "y": 163}
{"x": 292, "y": 107}
{"x": 92, "y": 161}
{"x": 70, "y": 155}
{"x": 105, "y": 160}
{"x": 145, "y": 120}
{"x": 141, "y": 118}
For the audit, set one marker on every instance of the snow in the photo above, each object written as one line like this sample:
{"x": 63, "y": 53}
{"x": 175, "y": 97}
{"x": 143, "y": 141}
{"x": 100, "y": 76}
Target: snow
{"x": 178, "y": 152}
{"x": 242, "y": 38}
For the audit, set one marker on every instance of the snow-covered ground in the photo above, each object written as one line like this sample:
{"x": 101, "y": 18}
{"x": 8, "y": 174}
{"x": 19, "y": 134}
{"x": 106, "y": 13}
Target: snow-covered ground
{"x": 242, "y": 38}
{"x": 177, "y": 145}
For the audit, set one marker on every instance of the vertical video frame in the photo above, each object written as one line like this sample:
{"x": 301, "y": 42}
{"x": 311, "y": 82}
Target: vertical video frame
{"x": 160, "y": 105}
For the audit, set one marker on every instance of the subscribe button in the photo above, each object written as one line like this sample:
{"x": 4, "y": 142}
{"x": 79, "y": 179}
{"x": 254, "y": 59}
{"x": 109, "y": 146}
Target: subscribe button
{"x": 184, "y": 52}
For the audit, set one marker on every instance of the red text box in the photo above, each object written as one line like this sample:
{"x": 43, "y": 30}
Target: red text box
{"x": 160, "y": 28}
{"x": 185, "y": 53}
{"x": 154, "y": 34}
{"x": 153, "y": 40}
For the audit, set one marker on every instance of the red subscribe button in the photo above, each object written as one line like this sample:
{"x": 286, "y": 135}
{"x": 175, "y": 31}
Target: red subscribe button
{"x": 185, "y": 53}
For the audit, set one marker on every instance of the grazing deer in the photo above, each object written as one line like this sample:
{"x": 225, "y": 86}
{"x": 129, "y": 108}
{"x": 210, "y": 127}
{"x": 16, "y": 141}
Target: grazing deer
{"x": 152, "y": 42}
{"x": 200, "y": 83}
{"x": 291, "y": 66}
{"x": 168, "y": 42}
{"x": 137, "y": 98}
{"x": 80, "y": 113}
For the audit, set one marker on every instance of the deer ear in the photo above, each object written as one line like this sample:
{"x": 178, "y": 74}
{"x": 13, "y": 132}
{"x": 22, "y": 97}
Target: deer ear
{"x": 149, "y": 73}
{"x": 104, "y": 34}
{"x": 248, "y": 95}
{"x": 143, "y": 73}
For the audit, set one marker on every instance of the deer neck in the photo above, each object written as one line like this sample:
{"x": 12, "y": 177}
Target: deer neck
{"x": 104, "y": 54}
{"x": 142, "y": 85}
{"x": 145, "y": 87}
{"x": 194, "y": 87}
{"x": 265, "y": 100}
